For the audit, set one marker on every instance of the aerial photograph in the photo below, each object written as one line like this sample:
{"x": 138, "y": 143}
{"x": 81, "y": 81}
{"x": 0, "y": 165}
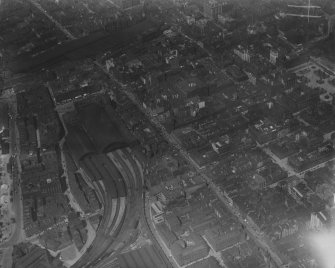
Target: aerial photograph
{"x": 167, "y": 133}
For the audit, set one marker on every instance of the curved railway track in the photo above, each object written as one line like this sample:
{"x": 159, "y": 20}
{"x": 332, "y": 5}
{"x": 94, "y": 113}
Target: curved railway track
{"x": 112, "y": 193}
{"x": 121, "y": 176}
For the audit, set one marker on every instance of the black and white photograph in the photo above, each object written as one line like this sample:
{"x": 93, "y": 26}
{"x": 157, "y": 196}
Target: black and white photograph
{"x": 167, "y": 133}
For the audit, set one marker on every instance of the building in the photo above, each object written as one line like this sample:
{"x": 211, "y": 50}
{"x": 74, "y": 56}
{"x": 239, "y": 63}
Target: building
{"x": 189, "y": 249}
{"x": 157, "y": 212}
{"x": 168, "y": 237}
{"x": 201, "y": 224}
{"x": 289, "y": 80}
{"x": 26, "y": 255}
{"x": 317, "y": 220}
{"x": 220, "y": 239}
{"x": 331, "y": 23}
{"x": 252, "y": 77}
{"x": 296, "y": 192}
{"x": 172, "y": 221}
{"x": 257, "y": 182}
{"x": 242, "y": 53}
{"x": 273, "y": 56}
{"x": 213, "y": 8}
{"x": 190, "y": 20}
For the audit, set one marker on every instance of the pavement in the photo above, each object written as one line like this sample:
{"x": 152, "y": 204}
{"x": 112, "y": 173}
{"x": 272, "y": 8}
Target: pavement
{"x": 17, "y": 209}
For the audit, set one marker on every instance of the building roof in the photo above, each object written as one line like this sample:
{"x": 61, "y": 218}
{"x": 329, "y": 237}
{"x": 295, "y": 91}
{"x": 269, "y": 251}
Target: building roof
{"x": 104, "y": 131}
{"x": 146, "y": 256}
{"x": 189, "y": 244}
{"x": 172, "y": 220}
{"x": 210, "y": 262}
{"x": 78, "y": 142}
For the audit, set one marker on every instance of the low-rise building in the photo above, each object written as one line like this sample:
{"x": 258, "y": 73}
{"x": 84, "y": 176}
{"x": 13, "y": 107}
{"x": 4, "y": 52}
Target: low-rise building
{"x": 220, "y": 239}
{"x": 189, "y": 249}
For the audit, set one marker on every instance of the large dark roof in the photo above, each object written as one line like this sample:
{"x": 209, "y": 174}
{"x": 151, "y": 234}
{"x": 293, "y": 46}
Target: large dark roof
{"x": 96, "y": 130}
{"x": 104, "y": 132}
{"x": 78, "y": 142}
